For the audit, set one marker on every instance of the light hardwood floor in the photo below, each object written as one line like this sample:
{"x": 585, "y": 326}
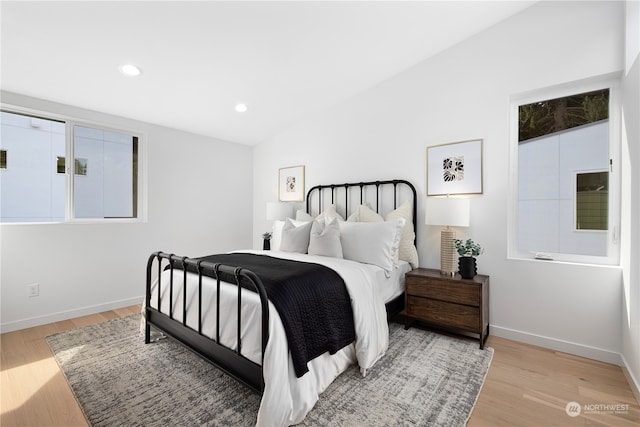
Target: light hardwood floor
{"x": 525, "y": 386}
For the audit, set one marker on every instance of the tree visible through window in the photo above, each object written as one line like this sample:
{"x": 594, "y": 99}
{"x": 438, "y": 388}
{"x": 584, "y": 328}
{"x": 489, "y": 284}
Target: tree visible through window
{"x": 555, "y": 115}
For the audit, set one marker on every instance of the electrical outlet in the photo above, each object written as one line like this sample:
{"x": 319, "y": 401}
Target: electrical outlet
{"x": 33, "y": 290}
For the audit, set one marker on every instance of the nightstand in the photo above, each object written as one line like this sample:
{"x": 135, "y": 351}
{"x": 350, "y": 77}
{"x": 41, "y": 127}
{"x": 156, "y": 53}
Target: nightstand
{"x": 449, "y": 302}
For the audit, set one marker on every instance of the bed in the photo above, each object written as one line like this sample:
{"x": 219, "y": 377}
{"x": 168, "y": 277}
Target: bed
{"x": 220, "y": 308}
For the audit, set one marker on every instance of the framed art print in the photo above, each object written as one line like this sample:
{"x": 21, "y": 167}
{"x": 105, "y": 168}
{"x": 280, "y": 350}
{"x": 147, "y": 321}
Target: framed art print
{"x": 291, "y": 184}
{"x": 455, "y": 168}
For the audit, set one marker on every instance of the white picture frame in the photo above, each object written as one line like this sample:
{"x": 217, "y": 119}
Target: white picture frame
{"x": 291, "y": 184}
{"x": 455, "y": 168}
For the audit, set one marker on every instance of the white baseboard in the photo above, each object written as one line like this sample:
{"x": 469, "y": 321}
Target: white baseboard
{"x": 559, "y": 345}
{"x": 633, "y": 381}
{"x": 66, "y": 315}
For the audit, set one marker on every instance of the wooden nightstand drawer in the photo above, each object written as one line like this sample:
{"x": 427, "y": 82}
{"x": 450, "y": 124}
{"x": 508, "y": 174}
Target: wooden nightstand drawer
{"x": 444, "y": 313}
{"x": 449, "y": 302}
{"x": 458, "y": 292}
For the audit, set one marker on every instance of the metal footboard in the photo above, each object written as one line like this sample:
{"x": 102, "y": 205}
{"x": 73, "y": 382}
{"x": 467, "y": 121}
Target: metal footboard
{"x": 175, "y": 324}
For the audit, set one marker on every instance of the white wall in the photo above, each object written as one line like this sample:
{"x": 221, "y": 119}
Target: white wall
{"x": 462, "y": 94}
{"x": 630, "y": 235}
{"x": 199, "y": 202}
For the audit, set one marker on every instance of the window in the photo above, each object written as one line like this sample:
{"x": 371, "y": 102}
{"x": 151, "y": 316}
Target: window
{"x": 41, "y": 187}
{"x": 3, "y": 159}
{"x": 564, "y": 208}
{"x": 80, "y": 166}
{"x": 592, "y": 200}
{"x": 107, "y": 164}
{"x": 61, "y": 165}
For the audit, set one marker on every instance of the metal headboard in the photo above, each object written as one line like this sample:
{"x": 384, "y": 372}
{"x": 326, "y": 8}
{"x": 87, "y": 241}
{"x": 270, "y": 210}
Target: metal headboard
{"x": 397, "y": 184}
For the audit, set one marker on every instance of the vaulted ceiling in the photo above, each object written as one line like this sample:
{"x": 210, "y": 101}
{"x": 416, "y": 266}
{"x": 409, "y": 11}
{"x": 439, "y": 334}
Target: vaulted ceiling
{"x": 199, "y": 59}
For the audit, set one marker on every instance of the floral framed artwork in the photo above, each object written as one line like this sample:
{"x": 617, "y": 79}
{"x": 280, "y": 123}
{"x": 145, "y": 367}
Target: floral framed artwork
{"x": 291, "y": 184}
{"x": 455, "y": 168}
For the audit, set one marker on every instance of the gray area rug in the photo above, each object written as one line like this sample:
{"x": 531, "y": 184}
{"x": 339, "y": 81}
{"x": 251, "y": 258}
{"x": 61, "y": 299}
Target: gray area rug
{"x": 424, "y": 379}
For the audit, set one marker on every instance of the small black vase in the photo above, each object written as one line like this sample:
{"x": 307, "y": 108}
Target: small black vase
{"x": 467, "y": 267}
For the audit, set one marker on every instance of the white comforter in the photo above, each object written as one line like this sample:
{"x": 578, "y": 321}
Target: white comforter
{"x": 287, "y": 399}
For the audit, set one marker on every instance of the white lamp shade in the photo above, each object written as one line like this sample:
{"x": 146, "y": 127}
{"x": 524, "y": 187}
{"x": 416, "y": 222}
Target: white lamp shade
{"x": 278, "y": 211}
{"x": 448, "y": 211}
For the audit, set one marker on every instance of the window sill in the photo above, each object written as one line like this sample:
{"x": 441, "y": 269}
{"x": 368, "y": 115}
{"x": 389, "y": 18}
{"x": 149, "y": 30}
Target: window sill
{"x": 558, "y": 260}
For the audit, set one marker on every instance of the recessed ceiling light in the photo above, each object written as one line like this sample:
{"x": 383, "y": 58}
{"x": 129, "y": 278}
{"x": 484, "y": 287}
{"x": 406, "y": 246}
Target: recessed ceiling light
{"x": 241, "y": 108}
{"x": 130, "y": 70}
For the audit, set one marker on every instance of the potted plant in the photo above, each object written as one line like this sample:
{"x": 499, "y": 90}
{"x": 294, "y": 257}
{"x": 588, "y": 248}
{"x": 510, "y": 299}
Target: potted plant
{"x": 467, "y": 252}
{"x": 266, "y": 241}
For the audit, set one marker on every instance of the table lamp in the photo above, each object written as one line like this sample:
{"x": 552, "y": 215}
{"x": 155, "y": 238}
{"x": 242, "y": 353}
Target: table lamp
{"x": 278, "y": 211}
{"x": 448, "y": 212}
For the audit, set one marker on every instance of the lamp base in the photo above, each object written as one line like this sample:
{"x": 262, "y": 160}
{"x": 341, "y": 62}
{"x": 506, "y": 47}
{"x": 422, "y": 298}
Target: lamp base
{"x": 447, "y": 252}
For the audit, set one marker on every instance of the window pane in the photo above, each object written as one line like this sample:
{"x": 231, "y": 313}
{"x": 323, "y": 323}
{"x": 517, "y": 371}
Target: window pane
{"x": 105, "y": 171}
{"x": 60, "y": 164}
{"x": 31, "y": 189}
{"x": 555, "y": 115}
{"x": 561, "y": 142}
{"x": 592, "y": 201}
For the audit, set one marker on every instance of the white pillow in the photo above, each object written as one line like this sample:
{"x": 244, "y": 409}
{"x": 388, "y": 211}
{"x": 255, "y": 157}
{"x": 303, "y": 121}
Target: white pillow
{"x": 372, "y": 242}
{"x": 302, "y": 215}
{"x": 276, "y": 235}
{"x": 329, "y": 213}
{"x": 366, "y": 214}
{"x": 355, "y": 216}
{"x": 407, "y": 250}
{"x": 295, "y": 238}
{"x": 325, "y": 239}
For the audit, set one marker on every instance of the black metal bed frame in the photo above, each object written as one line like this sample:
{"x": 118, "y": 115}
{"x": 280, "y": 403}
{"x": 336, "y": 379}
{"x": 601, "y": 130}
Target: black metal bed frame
{"x": 228, "y": 360}
{"x": 396, "y": 305}
{"x": 362, "y": 186}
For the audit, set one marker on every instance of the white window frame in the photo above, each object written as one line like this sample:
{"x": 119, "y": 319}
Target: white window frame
{"x": 612, "y": 83}
{"x": 70, "y": 122}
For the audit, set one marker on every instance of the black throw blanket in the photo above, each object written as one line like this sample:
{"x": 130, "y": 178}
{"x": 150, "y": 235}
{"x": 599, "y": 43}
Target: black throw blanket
{"x": 312, "y": 301}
